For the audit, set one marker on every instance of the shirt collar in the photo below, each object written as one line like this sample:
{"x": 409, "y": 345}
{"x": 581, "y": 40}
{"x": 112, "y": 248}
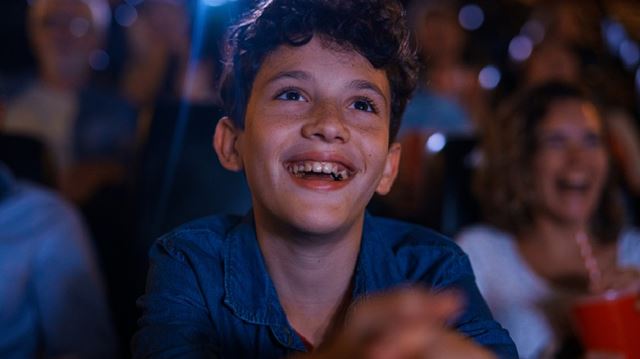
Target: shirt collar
{"x": 376, "y": 270}
{"x": 249, "y": 291}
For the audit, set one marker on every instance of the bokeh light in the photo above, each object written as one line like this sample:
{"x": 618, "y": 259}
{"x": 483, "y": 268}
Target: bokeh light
{"x": 471, "y": 17}
{"x": 614, "y": 34}
{"x": 99, "y": 60}
{"x": 489, "y": 77}
{"x": 520, "y": 48}
{"x": 126, "y": 15}
{"x": 534, "y": 30}
{"x": 435, "y": 143}
{"x": 629, "y": 53}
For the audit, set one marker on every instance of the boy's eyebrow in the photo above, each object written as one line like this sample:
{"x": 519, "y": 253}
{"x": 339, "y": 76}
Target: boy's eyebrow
{"x": 367, "y": 85}
{"x": 298, "y": 75}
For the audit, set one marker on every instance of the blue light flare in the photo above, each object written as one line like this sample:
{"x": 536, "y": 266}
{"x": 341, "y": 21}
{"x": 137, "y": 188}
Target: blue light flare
{"x": 216, "y": 3}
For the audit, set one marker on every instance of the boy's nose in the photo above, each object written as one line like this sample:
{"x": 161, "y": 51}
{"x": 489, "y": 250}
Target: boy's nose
{"x": 326, "y": 123}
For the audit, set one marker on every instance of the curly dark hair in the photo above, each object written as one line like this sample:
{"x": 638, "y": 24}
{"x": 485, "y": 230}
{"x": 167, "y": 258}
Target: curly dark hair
{"x": 504, "y": 182}
{"x": 375, "y": 29}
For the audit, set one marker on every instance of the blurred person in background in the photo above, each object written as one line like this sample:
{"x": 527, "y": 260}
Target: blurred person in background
{"x": 573, "y": 50}
{"x": 546, "y": 179}
{"x": 448, "y": 103}
{"x": 448, "y": 98}
{"x": 167, "y": 64}
{"x": 434, "y": 107}
{"x": 90, "y": 132}
{"x": 158, "y": 47}
{"x": 52, "y": 299}
{"x": 573, "y": 22}
{"x": 554, "y": 60}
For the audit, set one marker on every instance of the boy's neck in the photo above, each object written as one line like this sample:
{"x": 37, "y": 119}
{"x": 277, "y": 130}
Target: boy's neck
{"x": 312, "y": 275}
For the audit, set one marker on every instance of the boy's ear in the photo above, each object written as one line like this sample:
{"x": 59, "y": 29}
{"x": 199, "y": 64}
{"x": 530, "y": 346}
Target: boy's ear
{"x": 225, "y": 142}
{"x": 390, "y": 169}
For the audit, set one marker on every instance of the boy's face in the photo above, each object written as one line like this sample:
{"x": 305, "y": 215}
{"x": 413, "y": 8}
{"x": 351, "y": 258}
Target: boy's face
{"x": 315, "y": 145}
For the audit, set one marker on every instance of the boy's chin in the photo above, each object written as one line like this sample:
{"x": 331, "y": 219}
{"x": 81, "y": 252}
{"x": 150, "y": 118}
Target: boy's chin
{"x": 323, "y": 223}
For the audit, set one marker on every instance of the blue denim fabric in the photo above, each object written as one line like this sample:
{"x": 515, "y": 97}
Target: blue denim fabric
{"x": 209, "y": 294}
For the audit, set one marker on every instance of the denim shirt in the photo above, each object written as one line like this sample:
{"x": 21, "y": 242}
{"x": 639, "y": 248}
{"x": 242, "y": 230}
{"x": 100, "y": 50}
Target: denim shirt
{"x": 209, "y": 293}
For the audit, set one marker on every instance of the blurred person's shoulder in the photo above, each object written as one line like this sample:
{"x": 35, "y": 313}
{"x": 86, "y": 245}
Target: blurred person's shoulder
{"x": 31, "y": 211}
{"x": 35, "y": 203}
{"x": 490, "y": 249}
{"x": 482, "y": 237}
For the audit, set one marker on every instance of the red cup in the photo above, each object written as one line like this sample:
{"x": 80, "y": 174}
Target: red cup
{"x": 610, "y": 322}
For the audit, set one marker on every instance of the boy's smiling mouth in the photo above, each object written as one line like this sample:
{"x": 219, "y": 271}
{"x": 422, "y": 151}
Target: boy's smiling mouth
{"x": 319, "y": 170}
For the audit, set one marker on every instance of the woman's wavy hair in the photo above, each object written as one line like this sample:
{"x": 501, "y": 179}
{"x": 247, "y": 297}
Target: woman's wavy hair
{"x": 375, "y": 29}
{"x": 504, "y": 182}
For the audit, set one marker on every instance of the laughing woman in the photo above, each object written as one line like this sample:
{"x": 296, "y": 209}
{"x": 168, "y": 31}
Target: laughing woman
{"x": 547, "y": 182}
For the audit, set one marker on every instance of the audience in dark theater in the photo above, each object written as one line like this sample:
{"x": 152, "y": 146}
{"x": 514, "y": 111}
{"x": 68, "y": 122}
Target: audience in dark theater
{"x": 52, "y": 296}
{"x": 521, "y": 143}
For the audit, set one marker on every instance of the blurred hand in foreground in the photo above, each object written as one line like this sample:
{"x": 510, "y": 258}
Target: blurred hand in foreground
{"x": 406, "y": 323}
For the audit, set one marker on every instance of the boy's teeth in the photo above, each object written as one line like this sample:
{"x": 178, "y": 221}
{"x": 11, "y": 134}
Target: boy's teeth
{"x": 320, "y": 168}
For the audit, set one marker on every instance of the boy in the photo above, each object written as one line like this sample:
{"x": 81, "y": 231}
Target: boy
{"x": 313, "y": 92}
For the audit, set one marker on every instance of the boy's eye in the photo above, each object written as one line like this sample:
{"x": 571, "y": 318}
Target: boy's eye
{"x": 364, "y": 105}
{"x": 290, "y": 95}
